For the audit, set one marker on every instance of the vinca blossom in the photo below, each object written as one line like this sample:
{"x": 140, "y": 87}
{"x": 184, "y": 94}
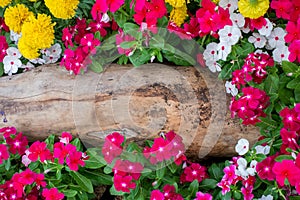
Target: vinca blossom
{"x": 231, "y": 88}
{"x": 242, "y": 147}
{"x": 258, "y": 40}
{"x": 230, "y": 35}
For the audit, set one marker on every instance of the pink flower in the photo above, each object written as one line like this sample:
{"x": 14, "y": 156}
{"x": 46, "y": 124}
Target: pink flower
{"x": 282, "y": 8}
{"x": 293, "y": 31}
{"x": 229, "y": 174}
{"x": 52, "y": 194}
{"x": 8, "y": 131}
{"x": 225, "y": 185}
{"x": 290, "y": 119}
{"x": 193, "y": 172}
{"x": 74, "y": 160}
{"x": 264, "y": 168}
{"x": 3, "y": 26}
{"x": 39, "y": 150}
{"x": 89, "y": 43}
{"x": 294, "y": 50}
{"x": 123, "y": 183}
{"x": 126, "y": 167}
{"x": 157, "y": 195}
{"x": 100, "y": 26}
{"x": 247, "y": 192}
{"x": 65, "y": 137}
{"x": 112, "y": 146}
{"x": 17, "y": 143}
{"x": 203, "y": 196}
{"x": 289, "y": 138}
{"x": 67, "y": 37}
{"x": 3, "y": 47}
{"x": 61, "y": 151}
{"x": 4, "y": 154}
{"x": 286, "y": 170}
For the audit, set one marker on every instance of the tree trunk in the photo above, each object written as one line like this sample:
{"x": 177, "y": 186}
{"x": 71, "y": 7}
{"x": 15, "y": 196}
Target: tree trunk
{"x": 139, "y": 102}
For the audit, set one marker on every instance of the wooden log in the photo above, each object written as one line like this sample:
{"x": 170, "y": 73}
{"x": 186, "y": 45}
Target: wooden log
{"x": 139, "y": 102}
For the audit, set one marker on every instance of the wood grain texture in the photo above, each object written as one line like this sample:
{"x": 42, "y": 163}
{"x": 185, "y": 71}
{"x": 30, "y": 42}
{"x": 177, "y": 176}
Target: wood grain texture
{"x": 139, "y": 102}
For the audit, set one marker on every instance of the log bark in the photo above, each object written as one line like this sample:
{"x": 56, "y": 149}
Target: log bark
{"x": 139, "y": 102}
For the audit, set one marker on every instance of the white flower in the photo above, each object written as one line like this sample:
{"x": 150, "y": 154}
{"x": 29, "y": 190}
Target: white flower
{"x": 25, "y": 160}
{"x": 11, "y": 64}
{"x": 241, "y": 169}
{"x": 232, "y": 5}
{"x": 223, "y": 51}
{"x": 262, "y": 149}
{"x": 281, "y": 53}
{"x": 54, "y": 51}
{"x": 242, "y": 147}
{"x": 276, "y": 38}
{"x": 105, "y": 18}
{"x": 38, "y": 61}
{"x": 267, "y": 29}
{"x": 27, "y": 67}
{"x": 258, "y": 40}
{"x": 213, "y": 66}
{"x": 13, "y": 52}
{"x": 50, "y": 59}
{"x": 263, "y": 197}
{"x": 230, "y": 88}
{"x": 230, "y": 35}
{"x": 237, "y": 19}
{"x": 15, "y": 36}
{"x": 211, "y": 52}
{"x": 252, "y": 169}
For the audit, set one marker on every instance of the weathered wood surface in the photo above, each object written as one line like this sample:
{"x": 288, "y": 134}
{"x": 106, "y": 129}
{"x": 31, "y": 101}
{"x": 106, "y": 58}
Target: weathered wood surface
{"x": 137, "y": 101}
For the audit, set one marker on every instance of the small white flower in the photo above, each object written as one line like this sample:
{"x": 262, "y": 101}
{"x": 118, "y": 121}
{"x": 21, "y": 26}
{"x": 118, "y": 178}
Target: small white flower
{"x": 211, "y": 52}
{"x": 14, "y": 36}
{"x": 230, "y": 35}
{"x": 54, "y": 51}
{"x": 263, "y": 197}
{"x": 267, "y": 29}
{"x": 258, "y": 40}
{"x": 237, "y": 19}
{"x": 276, "y": 38}
{"x": 241, "y": 169}
{"x": 242, "y": 147}
{"x": 152, "y": 58}
{"x": 281, "y": 53}
{"x": 105, "y": 18}
{"x": 27, "y": 67}
{"x": 38, "y": 61}
{"x": 262, "y": 149}
{"x": 50, "y": 59}
{"x": 230, "y": 88}
{"x": 25, "y": 160}
{"x": 232, "y": 5}
{"x": 213, "y": 66}
{"x": 252, "y": 169}
{"x": 11, "y": 65}
{"x": 13, "y": 52}
{"x": 223, "y": 51}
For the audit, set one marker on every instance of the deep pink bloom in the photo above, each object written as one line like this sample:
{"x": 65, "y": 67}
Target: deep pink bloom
{"x": 89, "y": 43}
{"x": 293, "y": 31}
{"x": 39, "y": 150}
{"x": 52, "y": 194}
{"x": 100, "y": 26}
{"x": 264, "y": 168}
{"x": 67, "y": 37}
{"x": 193, "y": 172}
{"x": 3, "y": 26}
{"x": 282, "y": 8}
{"x": 17, "y": 143}
{"x": 225, "y": 185}
{"x": 290, "y": 119}
{"x": 294, "y": 50}
{"x": 61, "y": 151}
{"x": 157, "y": 195}
{"x": 295, "y": 12}
{"x": 115, "y": 138}
{"x": 161, "y": 148}
{"x": 286, "y": 170}
{"x": 192, "y": 28}
{"x": 112, "y": 146}
{"x": 126, "y": 167}
{"x": 257, "y": 23}
{"x": 247, "y": 192}
{"x": 74, "y": 160}
{"x": 65, "y": 137}
{"x": 40, "y": 180}
{"x": 4, "y": 154}
{"x": 8, "y": 131}
{"x": 3, "y": 47}
{"x": 123, "y": 183}
{"x": 289, "y": 138}
{"x": 229, "y": 173}
{"x": 203, "y": 196}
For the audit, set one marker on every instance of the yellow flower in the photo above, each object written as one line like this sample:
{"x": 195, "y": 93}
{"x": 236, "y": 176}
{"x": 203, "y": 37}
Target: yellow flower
{"x": 64, "y": 9}
{"x": 216, "y": 1}
{"x": 15, "y": 17}
{"x": 4, "y": 3}
{"x": 37, "y": 33}
{"x": 178, "y": 15}
{"x": 253, "y": 8}
{"x": 176, "y": 3}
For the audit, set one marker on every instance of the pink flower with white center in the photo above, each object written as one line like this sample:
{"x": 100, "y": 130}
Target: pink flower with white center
{"x": 281, "y": 53}
{"x": 213, "y": 66}
{"x": 266, "y": 29}
{"x": 276, "y": 38}
{"x": 232, "y": 5}
{"x": 258, "y": 40}
{"x": 13, "y": 52}
{"x": 223, "y": 50}
{"x": 231, "y": 88}
{"x": 89, "y": 43}
{"x": 225, "y": 185}
{"x": 237, "y": 19}
{"x": 242, "y": 147}
{"x": 211, "y": 52}
{"x": 65, "y": 138}
{"x": 230, "y": 35}
{"x": 229, "y": 174}
{"x": 11, "y": 65}
{"x": 247, "y": 192}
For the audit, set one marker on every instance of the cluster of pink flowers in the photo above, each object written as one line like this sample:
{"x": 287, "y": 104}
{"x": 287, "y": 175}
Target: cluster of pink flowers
{"x": 193, "y": 172}
{"x": 250, "y": 106}
{"x": 169, "y": 193}
{"x": 254, "y": 69}
{"x": 165, "y": 147}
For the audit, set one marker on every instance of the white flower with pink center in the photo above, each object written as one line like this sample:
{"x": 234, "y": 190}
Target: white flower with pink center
{"x": 11, "y": 64}
{"x": 27, "y": 67}
{"x": 276, "y": 38}
{"x": 213, "y": 66}
{"x": 211, "y": 52}
{"x": 262, "y": 149}
{"x": 242, "y": 147}
{"x": 13, "y": 52}
{"x": 281, "y": 53}
{"x": 258, "y": 40}
{"x": 230, "y": 35}
{"x": 237, "y": 19}
{"x": 231, "y": 88}
{"x": 267, "y": 29}
{"x": 223, "y": 50}
{"x": 232, "y": 5}
{"x": 14, "y": 36}
{"x": 105, "y": 18}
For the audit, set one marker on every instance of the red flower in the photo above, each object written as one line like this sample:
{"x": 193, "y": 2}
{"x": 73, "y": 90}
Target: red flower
{"x": 293, "y": 31}
{"x": 289, "y": 138}
{"x": 52, "y": 194}
{"x": 100, "y": 26}
{"x": 264, "y": 168}
{"x": 294, "y": 50}
{"x": 257, "y": 23}
{"x": 161, "y": 149}
{"x": 157, "y": 195}
{"x": 282, "y": 8}
{"x": 286, "y": 170}
{"x": 192, "y": 28}
{"x": 290, "y": 119}
{"x": 3, "y": 26}
{"x": 89, "y": 43}
{"x": 193, "y": 172}
{"x": 115, "y": 138}
{"x": 8, "y": 131}
{"x": 203, "y": 196}
{"x": 39, "y": 150}
{"x": 74, "y": 160}
{"x": 112, "y": 146}
{"x": 67, "y": 37}
{"x": 61, "y": 151}
{"x": 40, "y": 180}
{"x": 3, "y": 47}
{"x": 4, "y": 154}
{"x": 65, "y": 137}
{"x": 123, "y": 183}
{"x": 17, "y": 143}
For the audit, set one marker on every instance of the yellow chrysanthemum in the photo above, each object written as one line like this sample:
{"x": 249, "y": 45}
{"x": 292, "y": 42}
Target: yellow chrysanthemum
{"x": 253, "y": 8}
{"x": 176, "y": 3}
{"x": 178, "y": 15}
{"x": 37, "y": 33}
{"x": 216, "y": 1}
{"x": 15, "y": 17}
{"x": 64, "y": 9}
{"x": 4, "y": 3}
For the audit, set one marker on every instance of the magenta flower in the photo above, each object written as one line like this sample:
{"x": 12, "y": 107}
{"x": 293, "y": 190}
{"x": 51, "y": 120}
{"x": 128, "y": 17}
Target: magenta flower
{"x": 67, "y": 37}
{"x": 89, "y": 43}
{"x": 39, "y": 150}
{"x": 282, "y": 8}
{"x": 4, "y": 154}
{"x": 286, "y": 170}
{"x": 294, "y": 50}
{"x": 8, "y": 131}
{"x": 52, "y": 194}
{"x": 193, "y": 172}
{"x": 157, "y": 195}
{"x": 264, "y": 168}
{"x": 293, "y": 31}
{"x": 203, "y": 196}
{"x": 126, "y": 167}
{"x": 290, "y": 119}
{"x": 123, "y": 183}
{"x": 289, "y": 138}
{"x": 229, "y": 174}
{"x": 17, "y": 143}
{"x": 74, "y": 160}
{"x": 247, "y": 192}
{"x": 61, "y": 151}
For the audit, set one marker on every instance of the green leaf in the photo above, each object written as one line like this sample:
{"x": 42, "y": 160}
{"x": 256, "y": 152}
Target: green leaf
{"x": 157, "y": 42}
{"x": 294, "y": 84}
{"x": 83, "y": 196}
{"x": 272, "y": 83}
{"x": 114, "y": 192}
{"x": 7, "y": 164}
{"x": 283, "y": 157}
{"x": 160, "y": 172}
{"x": 215, "y": 171}
{"x": 76, "y": 142}
{"x": 101, "y": 178}
{"x": 94, "y": 162}
{"x": 129, "y": 27}
{"x": 82, "y": 181}
{"x": 69, "y": 193}
{"x": 297, "y": 94}
{"x": 107, "y": 169}
{"x": 172, "y": 167}
{"x": 133, "y": 147}
{"x": 50, "y": 141}
{"x": 267, "y": 123}
{"x": 97, "y": 35}
{"x": 1, "y": 68}
{"x": 208, "y": 184}
{"x": 139, "y": 57}
{"x": 193, "y": 188}
{"x": 294, "y": 197}
{"x": 128, "y": 44}
{"x": 289, "y": 67}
